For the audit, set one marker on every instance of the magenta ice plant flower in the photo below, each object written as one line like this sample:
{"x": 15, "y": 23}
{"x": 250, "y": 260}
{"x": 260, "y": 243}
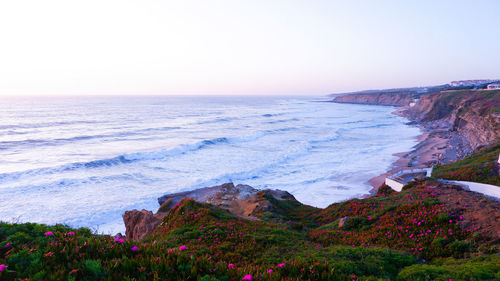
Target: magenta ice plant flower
{"x": 183, "y": 247}
{"x": 49, "y": 233}
{"x": 247, "y": 277}
{"x": 2, "y": 267}
{"x": 134, "y": 249}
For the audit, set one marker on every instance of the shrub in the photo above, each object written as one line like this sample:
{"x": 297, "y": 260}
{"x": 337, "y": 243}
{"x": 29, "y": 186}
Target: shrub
{"x": 460, "y": 248}
{"x": 166, "y": 206}
{"x": 355, "y": 223}
{"x": 93, "y": 269}
{"x": 421, "y": 273}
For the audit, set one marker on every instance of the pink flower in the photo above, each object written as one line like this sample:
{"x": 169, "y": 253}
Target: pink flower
{"x": 183, "y": 247}
{"x": 3, "y": 266}
{"x": 73, "y": 271}
{"x": 247, "y": 277}
{"x": 230, "y": 265}
{"x": 134, "y": 249}
{"x": 71, "y": 233}
{"x": 281, "y": 265}
{"x": 8, "y": 245}
{"x": 121, "y": 241}
{"x": 117, "y": 239}
{"x": 49, "y": 233}
{"x": 270, "y": 271}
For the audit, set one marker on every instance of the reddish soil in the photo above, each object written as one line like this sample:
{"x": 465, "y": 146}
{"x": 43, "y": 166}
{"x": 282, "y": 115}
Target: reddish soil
{"x": 477, "y": 211}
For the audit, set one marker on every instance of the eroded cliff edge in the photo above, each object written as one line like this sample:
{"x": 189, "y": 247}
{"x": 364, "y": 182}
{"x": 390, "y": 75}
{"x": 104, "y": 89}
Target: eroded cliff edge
{"x": 242, "y": 201}
{"x": 454, "y": 122}
{"x": 473, "y": 114}
{"x": 403, "y": 98}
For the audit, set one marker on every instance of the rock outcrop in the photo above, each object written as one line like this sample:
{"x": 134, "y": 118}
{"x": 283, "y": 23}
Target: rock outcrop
{"x": 241, "y": 200}
{"x": 139, "y": 224}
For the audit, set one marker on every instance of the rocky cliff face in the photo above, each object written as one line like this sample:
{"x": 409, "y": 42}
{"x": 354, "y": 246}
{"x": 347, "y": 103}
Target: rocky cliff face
{"x": 241, "y": 200}
{"x": 139, "y": 224}
{"x": 472, "y": 114}
{"x": 469, "y": 118}
{"x": 378, "y": 98}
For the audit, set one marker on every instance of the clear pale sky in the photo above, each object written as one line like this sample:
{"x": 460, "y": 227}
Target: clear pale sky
{"x": 68, "y": 47}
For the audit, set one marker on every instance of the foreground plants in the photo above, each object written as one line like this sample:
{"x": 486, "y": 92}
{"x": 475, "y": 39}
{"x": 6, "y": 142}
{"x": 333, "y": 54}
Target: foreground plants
{"x": 410, "y": 235}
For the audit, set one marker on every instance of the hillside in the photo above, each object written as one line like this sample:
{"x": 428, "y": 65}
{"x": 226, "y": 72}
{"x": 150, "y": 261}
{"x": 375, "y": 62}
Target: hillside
{"x": 391, "y": 97}
{"x": 478, "y": 167}
{"x": 429, "y": 231}
{"x": 473, "y": 114}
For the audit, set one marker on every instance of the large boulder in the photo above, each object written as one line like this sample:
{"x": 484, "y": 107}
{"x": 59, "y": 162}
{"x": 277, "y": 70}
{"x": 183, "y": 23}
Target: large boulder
{"x": 240, "y": 200}
{"x": 139, "y": 224}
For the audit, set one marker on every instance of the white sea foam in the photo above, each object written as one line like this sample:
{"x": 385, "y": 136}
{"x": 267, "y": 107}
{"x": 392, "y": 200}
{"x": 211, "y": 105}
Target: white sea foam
{"x": 84, "y": 162}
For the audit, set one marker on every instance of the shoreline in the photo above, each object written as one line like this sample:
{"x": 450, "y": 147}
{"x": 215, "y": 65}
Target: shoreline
{"x": 436, "y": 145}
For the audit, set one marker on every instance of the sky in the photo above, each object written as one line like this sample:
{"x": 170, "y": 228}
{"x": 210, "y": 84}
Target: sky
{"x": 258, "y": 47}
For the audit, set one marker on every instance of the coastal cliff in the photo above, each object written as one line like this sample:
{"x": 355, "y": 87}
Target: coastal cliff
{"x": 379, "y": 98}
{"x": 390, "y": 97}
{"x": 454, "y": 123}
{"x": 473, "y": 114}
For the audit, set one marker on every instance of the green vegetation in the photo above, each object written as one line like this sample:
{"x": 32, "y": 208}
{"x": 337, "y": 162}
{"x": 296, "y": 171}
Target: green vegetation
{"x": 478, "y": 167}
{"x": 481, "y": 268}
{"x": 385, "y": 237}
{"x": 484, "y": 102}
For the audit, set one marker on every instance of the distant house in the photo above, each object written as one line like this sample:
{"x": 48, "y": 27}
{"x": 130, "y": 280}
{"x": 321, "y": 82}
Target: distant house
{"x": 493, "y": 86}
{"x": 469, "y": 83}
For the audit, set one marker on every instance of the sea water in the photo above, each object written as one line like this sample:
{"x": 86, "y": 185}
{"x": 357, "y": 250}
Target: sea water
{"x": 84, "y": 161}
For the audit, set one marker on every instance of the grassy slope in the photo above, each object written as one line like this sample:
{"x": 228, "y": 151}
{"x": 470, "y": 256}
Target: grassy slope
{"x": 484, "y": 102}
{"x": 384, "y": 238}
{"x": 478, "y": 167}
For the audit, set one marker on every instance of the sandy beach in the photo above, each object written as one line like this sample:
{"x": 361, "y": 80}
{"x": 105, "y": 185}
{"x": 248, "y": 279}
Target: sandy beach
{"x": 436, "y": 145}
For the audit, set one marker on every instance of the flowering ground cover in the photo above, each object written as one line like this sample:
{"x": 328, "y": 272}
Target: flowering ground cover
{"x": 411, "y": 235}
{"x": 478, "y": 167}
{"x": 413, "y": 220}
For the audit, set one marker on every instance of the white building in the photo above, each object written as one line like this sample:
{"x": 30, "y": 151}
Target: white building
{"x": 493, "y": 86}
{"x": 468, "y": 83}
{"x": 398, "y": 180}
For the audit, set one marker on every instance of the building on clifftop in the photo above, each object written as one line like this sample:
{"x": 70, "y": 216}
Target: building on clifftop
{"x": 493, "y": 86}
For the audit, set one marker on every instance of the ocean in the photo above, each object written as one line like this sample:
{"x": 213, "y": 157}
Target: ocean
{"x": 84, "y": 161}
